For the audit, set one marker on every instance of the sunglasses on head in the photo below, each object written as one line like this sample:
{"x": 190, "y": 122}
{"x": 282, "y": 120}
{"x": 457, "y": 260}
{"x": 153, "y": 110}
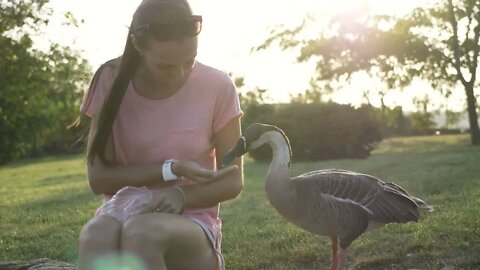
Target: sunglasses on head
{"x": 165, "y": 31}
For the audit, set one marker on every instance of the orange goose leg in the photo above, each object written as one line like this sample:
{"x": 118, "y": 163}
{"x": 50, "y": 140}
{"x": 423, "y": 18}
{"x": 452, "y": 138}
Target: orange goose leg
{"x": 334, "y": 259}
{"x": 342, "y": 259}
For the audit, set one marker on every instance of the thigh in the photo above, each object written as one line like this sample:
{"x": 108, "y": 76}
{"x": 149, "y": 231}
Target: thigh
{"x": 185, "y": 245}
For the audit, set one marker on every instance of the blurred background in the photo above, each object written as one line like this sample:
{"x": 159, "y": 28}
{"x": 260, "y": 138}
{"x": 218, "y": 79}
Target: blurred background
{"x": 337, "y": 76}
{"x": 394, "y": 81}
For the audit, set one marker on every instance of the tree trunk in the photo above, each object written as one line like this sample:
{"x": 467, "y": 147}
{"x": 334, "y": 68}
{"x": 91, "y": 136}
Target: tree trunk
{"x": 472, "y": 115}
{"x": 384, "y": 116}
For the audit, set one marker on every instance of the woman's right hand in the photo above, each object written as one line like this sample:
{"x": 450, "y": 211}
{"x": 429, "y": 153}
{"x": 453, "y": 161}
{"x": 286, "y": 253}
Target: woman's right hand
{"x": 196, "y": 173}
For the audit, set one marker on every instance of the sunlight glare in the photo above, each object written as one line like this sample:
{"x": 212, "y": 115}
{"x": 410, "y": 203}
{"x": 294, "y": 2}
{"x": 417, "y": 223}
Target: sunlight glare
{"x": 231, "y": 29}
{"x": 119, "y": 262}
{"x": 341, "y": 6}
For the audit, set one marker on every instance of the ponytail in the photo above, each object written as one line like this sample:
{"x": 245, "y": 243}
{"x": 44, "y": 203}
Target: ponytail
{"x": 147, "y": 12}
{"x": 129, "y": 63}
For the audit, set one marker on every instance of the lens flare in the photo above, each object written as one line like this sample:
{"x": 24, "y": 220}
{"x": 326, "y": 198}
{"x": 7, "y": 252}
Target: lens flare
{"x": 119, "y": 262}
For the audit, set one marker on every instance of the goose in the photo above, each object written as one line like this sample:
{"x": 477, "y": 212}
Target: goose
{"x": 337, "y": 203}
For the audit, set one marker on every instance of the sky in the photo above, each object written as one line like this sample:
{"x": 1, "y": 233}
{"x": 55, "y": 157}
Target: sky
{"x": 230, "y": 30}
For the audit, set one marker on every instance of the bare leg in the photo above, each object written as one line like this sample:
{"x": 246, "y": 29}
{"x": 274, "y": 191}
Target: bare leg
{"x": 166, "y": 241}
{"x": 147, "y": 244}
{"x": 100, "y": 237}
{"x": 342, "y": 259}
{"x": 334, "y": 258}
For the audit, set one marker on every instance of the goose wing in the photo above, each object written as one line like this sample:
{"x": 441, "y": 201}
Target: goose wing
{"x": 386, "y": 202}
{"x": 327, "y": 214}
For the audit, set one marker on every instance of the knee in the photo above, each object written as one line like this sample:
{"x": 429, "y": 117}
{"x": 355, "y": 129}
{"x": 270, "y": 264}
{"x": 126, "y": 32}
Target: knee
{"x": 145, "y": 233}
{"x": 99, "y": 230}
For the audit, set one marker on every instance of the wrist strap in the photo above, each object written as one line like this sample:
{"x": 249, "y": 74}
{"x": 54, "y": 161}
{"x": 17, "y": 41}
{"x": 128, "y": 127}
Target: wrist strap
{"x": 167, "y": 173}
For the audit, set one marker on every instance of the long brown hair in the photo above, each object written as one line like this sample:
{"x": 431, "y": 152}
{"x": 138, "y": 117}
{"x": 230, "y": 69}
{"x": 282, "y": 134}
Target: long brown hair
{"x": 148, "y": 11}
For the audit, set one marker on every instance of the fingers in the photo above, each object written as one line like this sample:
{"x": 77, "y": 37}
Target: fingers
{"x": 167, "y": 209}
{"x": 200, "y": 180}
{"x": 146, "y": 210}
{"x": 168, "y": 201}
{"x": 201, "y": 172}
{"x": 164, "y": 208}
{"x": 215, "y": 175}
{"x": 162, "y": 205}
{"x": 225, "y": 171}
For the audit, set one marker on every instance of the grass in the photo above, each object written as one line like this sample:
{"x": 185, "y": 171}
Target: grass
{"x": 44, "y": 202}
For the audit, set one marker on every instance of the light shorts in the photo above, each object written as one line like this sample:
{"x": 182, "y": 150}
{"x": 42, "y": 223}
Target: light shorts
{"x": 213, "y": 242}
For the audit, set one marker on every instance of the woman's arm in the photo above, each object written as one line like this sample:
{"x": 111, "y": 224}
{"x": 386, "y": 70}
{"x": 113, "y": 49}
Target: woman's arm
{"x": 230, "y": 186}
{"x": 108, "y": 180}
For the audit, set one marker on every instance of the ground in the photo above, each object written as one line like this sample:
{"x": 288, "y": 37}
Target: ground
{"x": 44, "y": 202}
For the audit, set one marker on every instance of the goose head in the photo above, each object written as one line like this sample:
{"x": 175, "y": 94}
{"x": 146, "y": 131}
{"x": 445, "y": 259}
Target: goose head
{"x": 252, "y": 138}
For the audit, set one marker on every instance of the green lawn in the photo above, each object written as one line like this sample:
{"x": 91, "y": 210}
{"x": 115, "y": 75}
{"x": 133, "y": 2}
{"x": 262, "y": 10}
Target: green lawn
{"x": 44, "y": 202}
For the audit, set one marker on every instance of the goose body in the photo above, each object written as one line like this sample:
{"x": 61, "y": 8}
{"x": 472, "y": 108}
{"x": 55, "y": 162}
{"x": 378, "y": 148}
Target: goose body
{"x": 331, "y": 202}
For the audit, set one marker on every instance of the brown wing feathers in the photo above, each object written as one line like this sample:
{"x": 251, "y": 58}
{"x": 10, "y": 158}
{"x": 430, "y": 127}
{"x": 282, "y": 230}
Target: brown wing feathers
{"x": 387, "y": 202}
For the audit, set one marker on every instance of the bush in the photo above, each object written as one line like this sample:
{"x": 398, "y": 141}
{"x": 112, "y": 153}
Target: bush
{"x": 40, "y": 90}
{"x": 320, "y": 130}
{"x": 39, "y": 98}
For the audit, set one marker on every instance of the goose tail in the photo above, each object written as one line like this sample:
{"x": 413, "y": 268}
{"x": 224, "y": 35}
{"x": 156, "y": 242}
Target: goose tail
{"x": 419, "y": 202}
{"x": 422, "y": 205}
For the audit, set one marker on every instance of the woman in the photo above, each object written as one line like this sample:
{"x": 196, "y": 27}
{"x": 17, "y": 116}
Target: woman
{"x": 161, "y": 119}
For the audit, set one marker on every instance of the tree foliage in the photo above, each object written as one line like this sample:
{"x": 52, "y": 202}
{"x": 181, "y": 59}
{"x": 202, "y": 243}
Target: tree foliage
{"x": 16, "y": 14}
{"x": 439, "y": 44}
{"x": 312, "y": 95}
{"x": 39, "y": 91}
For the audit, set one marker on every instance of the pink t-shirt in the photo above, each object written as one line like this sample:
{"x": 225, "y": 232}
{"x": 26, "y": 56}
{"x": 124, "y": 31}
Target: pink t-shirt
{"x": 182, "y": 126}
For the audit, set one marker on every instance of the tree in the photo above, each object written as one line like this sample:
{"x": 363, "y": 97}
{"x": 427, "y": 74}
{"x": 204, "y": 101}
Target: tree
{"x": 354, "y": 44}
{"x": 252, "y": 103}
{"x": 451, "y": 30}
{"x": 422, "y": 119}
{"x": 439, "y": 44}
{"x": 452, "y": 118}
{"x": 39, "y": 91}
{"x": 312, "y": 95}
{"x": 396, "y": 122}
{"x": 15, "y": 14}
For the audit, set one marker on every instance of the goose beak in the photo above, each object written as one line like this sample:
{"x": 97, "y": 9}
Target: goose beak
{"x": 239, "y": 150}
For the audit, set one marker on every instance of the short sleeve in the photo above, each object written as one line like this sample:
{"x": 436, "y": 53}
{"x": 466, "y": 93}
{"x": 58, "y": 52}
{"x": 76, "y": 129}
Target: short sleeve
{"x": 98, "y": 90}
{"x": 227, "y": 105}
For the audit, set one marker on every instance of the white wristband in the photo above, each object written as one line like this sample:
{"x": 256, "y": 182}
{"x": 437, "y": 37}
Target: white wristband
{"x": 167, "y": 173}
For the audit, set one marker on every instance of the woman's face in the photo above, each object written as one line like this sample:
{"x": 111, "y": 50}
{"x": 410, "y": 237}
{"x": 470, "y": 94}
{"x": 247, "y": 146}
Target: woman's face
{"x": 170, "y": 61}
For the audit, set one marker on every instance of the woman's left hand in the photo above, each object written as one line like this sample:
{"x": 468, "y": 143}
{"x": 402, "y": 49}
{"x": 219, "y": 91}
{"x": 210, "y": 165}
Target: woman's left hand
{"x": 169, "y": 200}
{"x": 198, "y": 174}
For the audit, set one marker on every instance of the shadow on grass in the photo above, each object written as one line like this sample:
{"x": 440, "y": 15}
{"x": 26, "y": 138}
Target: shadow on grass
{"x": 67, "y": 199}
{"x": 48, "y": 159}
{"x": 47, "y": 227}
{"x": 60, "y": 179}
{"x": 71, "y": 207}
